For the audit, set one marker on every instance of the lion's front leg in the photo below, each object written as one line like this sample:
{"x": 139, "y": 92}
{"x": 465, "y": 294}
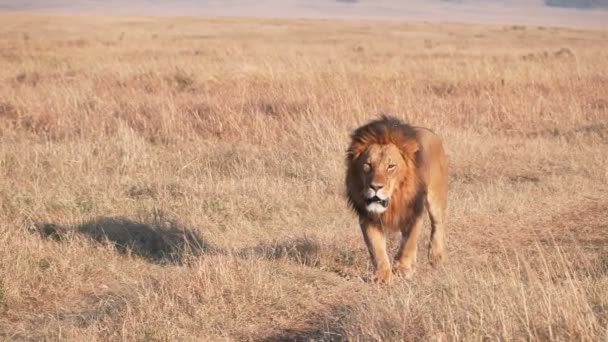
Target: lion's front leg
{"x": 405, "y": 260}
{"x": 376, "y": 245}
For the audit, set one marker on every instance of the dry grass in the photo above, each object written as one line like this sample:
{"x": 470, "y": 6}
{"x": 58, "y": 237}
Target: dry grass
{"x": 182, "y": 179}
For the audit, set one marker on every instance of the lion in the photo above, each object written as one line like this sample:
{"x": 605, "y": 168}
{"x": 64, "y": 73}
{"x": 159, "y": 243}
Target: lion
{"x": 394, "y": 171}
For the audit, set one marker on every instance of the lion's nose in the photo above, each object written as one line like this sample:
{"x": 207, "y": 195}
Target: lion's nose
{"x": 376, "y": 186}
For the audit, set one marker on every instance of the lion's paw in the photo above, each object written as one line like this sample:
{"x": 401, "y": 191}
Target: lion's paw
{"x": 404, "y": 271}
{"x": 383, "y": 276}
{"x": 435, "y": 255}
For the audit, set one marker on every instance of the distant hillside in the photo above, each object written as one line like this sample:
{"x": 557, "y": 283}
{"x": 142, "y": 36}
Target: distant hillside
{"x": 578, "y": 3}
{"x": 530, "y": 12}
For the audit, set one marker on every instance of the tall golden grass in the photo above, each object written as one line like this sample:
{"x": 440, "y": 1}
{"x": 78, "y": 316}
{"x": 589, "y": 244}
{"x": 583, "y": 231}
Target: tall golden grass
{"x": 182, "y": 179}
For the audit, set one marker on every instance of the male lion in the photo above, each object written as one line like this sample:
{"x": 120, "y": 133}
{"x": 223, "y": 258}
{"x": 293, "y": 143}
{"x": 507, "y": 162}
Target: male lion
{"x": 394, "y": 170}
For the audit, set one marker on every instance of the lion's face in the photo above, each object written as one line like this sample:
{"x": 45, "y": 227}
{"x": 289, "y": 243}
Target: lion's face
{"x": 381, "y": 168}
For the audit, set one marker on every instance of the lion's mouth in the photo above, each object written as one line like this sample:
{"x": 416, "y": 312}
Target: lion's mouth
{"x": 378, "y": 200}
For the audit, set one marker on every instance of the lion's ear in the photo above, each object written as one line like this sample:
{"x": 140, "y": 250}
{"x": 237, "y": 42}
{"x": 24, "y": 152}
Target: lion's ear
{"x": 411, "y": 147}
{"x": 355, "y": 150}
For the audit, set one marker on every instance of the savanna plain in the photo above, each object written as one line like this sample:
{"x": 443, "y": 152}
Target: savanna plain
{"x": 182, "y": 179}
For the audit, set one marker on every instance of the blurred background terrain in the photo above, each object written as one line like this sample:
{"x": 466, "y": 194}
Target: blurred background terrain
{"x": 547, "y": 12}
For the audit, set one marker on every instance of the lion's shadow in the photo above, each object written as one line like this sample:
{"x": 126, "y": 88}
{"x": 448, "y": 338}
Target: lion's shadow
{"x": 161, "y": 241}
{"x": 157, "y": 241}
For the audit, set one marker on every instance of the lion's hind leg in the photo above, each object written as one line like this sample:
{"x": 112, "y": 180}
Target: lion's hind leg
{"x": 436, "y": 208}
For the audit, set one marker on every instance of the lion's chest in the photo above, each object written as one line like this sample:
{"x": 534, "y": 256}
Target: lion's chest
{"x": 402, "y": 215}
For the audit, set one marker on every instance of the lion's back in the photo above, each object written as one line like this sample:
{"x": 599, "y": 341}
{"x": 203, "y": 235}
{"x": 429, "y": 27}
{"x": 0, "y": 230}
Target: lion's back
{"x": 433, "y": 165}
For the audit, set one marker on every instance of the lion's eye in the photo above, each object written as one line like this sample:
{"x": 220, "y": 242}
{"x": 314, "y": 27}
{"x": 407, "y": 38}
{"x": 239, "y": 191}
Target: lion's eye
{"x": 367, "y": 167}
{"x": 391, "y": 167}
